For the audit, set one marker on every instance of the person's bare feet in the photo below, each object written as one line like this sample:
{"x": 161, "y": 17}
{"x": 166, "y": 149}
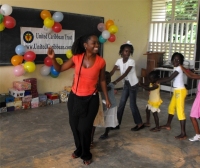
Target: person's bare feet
{"x": 167, "y": 127}
{"x": 181, "y": 137}
{"x": 155, "y": 129}
{"x": 147, "y": 124}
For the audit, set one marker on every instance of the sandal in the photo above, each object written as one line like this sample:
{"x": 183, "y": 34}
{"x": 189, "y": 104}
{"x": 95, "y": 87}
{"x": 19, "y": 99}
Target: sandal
{"x": 74, "y": 156}
{"x": 87, "y": 162}
{"x": 165, "y": 127}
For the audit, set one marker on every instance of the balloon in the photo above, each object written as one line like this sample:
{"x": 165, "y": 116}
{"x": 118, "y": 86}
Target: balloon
{"x": 2, "y": 27}
{"x": 57, "y": 27}
{"x": 19, "y": 70}
{"x": 113, "y": 29}
{"x": 1, "y": 18}
{"x": 59, "y": 61}
{"x": 45, "y": 70}
{"x": 105, "y": 34}
{"x": 57, "y": 16}
{"x": 109, "y": 23}
{"x": 29, "y": 56}
{"x": 112, "y": 38}
{"x": 101, "y": 27}
{"x": 29, "y": 66}
{"x": 6, "y": 9}
{"x": 20, "y": 49}
{"x": 53, "y": 71}
{"x": 101, "y": 39}
{"x": 9, "y": 22}
{"x": 46, "y": 29}
{"x": 48, "y": 22}
{"x": 53, "y": 76}
{"x": 69, "y": 54}
{"x": 44, "y": 14}
{"x": 48, "y": 61}
{"x": 16, "y": 60}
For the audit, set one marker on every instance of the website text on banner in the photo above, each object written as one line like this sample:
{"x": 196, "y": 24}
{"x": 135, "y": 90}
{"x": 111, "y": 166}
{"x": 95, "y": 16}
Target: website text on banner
{"x": 37, "y": 40}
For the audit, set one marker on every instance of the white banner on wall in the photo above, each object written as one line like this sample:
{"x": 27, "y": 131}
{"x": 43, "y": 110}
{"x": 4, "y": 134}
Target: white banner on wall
{"x": 38, "y": 41}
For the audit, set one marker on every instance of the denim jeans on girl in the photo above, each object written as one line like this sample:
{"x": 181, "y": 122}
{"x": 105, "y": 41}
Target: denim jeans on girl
{"x": 131, "y": 92}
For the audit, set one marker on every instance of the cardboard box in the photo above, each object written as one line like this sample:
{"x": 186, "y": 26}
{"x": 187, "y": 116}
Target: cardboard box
{"x": 16, "y": 93}
{"x": 21, "y": 85}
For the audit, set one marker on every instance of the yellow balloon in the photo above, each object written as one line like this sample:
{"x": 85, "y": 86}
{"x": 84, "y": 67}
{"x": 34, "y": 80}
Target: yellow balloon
{"x": 113, "y": 29}
{"x": 2, "y": 27}
{"x": 59, "y": 61}
{"x": 69, "y": 54}
{"x": 48, "y": 22}
{"x": 29, "y": 66}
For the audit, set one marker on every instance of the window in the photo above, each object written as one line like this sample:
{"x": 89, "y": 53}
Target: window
{"x": 173, "y": 28}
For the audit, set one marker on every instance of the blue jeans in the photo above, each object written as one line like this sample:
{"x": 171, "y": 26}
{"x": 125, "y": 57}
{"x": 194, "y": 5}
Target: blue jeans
{"x": 131, "y": 91}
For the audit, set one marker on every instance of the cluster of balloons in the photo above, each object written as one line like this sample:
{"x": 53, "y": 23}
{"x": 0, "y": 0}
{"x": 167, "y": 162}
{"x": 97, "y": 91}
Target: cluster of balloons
{"x": 108, "y": 31}
{"x": 6, "y": 21}
{"x": 23, "y": 55}
{"x": 48, "y": 69}
{"x": 51, "y": 23}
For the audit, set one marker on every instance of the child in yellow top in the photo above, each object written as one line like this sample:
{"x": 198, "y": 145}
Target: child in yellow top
{"x": 154, "y": 101}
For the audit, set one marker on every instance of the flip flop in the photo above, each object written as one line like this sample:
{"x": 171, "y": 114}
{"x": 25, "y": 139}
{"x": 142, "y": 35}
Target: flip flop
{"x": 87, "y": 162}
{"x": 74, "y": 156}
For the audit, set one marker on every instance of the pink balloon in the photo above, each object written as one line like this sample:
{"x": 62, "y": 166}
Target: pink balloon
{"x": 29, "y": 56}
{"x": 101, "y": 27}
{"x": 48, "y": 61}
{"x": 57, "y": 27}
{"x": 19, "y": 70}
{"x": 9, "y": 22}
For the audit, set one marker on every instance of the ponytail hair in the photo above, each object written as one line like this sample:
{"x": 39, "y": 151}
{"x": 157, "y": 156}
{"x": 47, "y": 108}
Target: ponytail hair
{"x": 78, "y": 45}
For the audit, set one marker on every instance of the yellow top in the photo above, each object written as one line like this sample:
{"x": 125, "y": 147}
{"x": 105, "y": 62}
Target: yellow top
{"x": 154, "y": 97}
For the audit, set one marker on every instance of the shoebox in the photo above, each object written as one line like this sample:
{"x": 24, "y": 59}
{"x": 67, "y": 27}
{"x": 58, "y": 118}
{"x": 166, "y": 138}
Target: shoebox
{"x": 51, "y": 95}
{"x": 27, "y": 92}
{"x": 42, "y": 97}
{"x": 34, "y": 104}
{"x": 49, "y": 102}
{"x": 11, "y": 108}
{"x": 9, "y": 98}
{"x": 16, "y": 93}
{"x": 31, "y": 80}
{"x": 2, "y": 98}
{"x": 3, "y": 104}
{"x": 63, "y": 95}
{"x": 18, "y": 99}
{"x": 26, "y": 105}
{"x": 55, "y": 101}
{"x": 34, "y": 94}
{"x": 10, "y": 104}
{"x": 3, "y": 109}
{"x": 18, "y": 105}
{"x": 42, "y": 103}
{"x": 27, "y": 98}
{"x": 21, "y": 85}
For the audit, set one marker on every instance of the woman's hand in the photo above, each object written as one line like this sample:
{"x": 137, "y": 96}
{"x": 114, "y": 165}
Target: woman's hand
{"x": 108, "y": 104}
{"x": 51, "y": 53}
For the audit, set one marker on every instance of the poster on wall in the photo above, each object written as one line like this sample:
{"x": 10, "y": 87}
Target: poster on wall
{"x": 38, "y": 41}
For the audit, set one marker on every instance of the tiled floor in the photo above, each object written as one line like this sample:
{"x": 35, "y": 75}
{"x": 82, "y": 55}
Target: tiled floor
{"x": 41, "y": 138}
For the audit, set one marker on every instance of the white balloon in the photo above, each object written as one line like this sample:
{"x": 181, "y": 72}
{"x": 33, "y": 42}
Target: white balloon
{"x": 105, "y": 34}
{"x": 57, "y": 16}
{"x": 45, "y": 70}
{"x": 46, "y": 29}
{"x": 6, "y": 9}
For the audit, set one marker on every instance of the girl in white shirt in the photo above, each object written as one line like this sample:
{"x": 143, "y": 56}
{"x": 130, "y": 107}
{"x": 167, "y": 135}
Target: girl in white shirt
{"x": 179, "y": 94}
{"x": 128, "y": 75}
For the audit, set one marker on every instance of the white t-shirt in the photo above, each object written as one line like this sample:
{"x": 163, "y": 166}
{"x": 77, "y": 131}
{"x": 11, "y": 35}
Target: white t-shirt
{"x": 131, "y": 77}
{"x": 178, "y": 80}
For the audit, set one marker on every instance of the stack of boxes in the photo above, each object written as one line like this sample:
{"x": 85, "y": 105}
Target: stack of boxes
{"x": 33, "y": 91}
{"x": 52, "y": 98}
{"x": 24, "y": 95}
{"x": 3, "y": 107}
